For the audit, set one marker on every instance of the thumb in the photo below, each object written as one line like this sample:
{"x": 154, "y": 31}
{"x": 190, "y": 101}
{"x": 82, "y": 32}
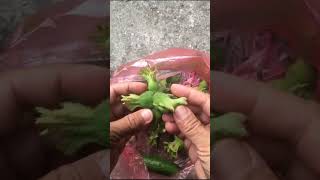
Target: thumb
{"x": 190, "y": 126}
{"x": 94, "y": 166}
{"x": 129, "y": 124}
{"x": 238, "y": 160}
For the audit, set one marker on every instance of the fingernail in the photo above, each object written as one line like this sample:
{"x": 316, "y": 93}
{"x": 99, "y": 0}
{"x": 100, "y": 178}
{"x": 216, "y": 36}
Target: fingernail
{"x": 176, "y": 85}
{"x": 147, "y": 115}
{"x": 180, "y": 112}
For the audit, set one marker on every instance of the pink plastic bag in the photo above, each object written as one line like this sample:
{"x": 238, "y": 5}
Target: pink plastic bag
{"x": 168, "y": 63}
{"x": 253, "y": 55}
{"x": 61, "y": 33}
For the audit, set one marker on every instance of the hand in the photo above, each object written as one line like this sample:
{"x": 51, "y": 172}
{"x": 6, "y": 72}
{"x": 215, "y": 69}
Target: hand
{"x": 23, "y": 155}
{"x": 123, "y": 126}
{"x": 192, "y": 127}
{"x": 283, "y": 128}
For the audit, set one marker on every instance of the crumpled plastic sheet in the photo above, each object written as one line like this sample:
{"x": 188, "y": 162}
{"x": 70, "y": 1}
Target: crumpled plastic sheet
{"x": 253, "y": 55}
{"x": 168, "y": 63}
{"x": 60, "y": 33}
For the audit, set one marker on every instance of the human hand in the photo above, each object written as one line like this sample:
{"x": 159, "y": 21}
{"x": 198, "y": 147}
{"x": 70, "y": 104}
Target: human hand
{"x": 192, "y": 124}
{"x": 23, "y": 154}
{"x": 122, "y": 124}
{"x": 284, "y": 131}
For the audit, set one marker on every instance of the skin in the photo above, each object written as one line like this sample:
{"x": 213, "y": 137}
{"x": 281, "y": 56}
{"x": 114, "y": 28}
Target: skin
{"x": 124, "y": 125}
{"x": 22, "y": 90}
{"x": 23, "y": 154}
{"x": 192, "y": 124}
{"x": 286, "y": 127}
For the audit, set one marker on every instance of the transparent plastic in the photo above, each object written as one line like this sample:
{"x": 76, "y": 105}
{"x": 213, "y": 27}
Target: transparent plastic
{"x": 61, "y": 33}
{"x": 192, "y": 64}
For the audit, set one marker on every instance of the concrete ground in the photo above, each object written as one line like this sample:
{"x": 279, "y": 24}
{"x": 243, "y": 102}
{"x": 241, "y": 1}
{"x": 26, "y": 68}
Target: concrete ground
{"x": 139, "y": 28}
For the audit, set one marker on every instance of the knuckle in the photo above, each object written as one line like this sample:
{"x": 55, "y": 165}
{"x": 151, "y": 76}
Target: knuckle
{"x": 191, "y": 124}
{"x": 132, "y": 120}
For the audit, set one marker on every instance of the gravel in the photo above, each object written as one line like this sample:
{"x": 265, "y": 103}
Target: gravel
{"x": 139, "y": 28}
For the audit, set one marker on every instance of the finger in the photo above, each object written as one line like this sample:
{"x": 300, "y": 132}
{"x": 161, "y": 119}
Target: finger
{"x": 291, "y": 118}
{"x": 118, "y": 110}
{"x": 194, "y": 97}
{"x": 191, "y": 127}
{"x": 192, "y": 152}
{"x": 48, "y": 86}
{"x": 129, "y": 124}
{"x": 204, "y": 118}
{"x": 92, "y": 167}
{"x": 171, "y": 128}
{"x": 181, "y": 136}
{"x": 125, "y": 88}
{"x": 200, "y": 171}
{"x": 277, "y": 154}
{"x": 237, "y": 160}
{"x": 195, "y": 109}
{"x": 199, "y": 113}
{"x": 167, "y": 118}
{"x": 187, "y": 143}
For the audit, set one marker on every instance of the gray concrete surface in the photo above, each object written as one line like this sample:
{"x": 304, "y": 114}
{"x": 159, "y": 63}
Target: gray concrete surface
{"x": 139, "y": 28}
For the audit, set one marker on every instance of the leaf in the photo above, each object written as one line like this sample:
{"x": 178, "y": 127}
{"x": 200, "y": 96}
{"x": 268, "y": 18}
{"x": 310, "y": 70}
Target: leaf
{"x": 299, "y": 80}
{"x": 75, "y": 126}
{"x": 203, "y": 86}
{"x": 174, "y": 147}
{"x": 229, "y": 125}
{"x": 101, "y": 37}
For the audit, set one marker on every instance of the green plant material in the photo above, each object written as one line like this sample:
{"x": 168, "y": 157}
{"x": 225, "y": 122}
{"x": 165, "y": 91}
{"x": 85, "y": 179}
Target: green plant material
{"x": 156, "y": 127}
{"x": 174, "y": 147}
{"x": 167, "y": 102}
{"x": 155, "y": 98}
{"x": 203, "y": 86}
{"x": 165, "y": 84}
{"x": 149, "y": 75}
{"x": 101, "y": 37}
{"x": 299, "y": 80}
{"x": 229, "y": 125}
{"x": 160, "y": 101}
{"x": 133, "y": 101}
{"x": 159, "y": 165}
{"x": 75, "y": 126}
{"x": 173, "y": 79}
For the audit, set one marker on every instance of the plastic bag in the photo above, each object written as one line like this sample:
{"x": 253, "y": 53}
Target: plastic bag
{"x": 251, "y": 55}
{"x": 168, "y": 63}
{"x": 62, "y": 33}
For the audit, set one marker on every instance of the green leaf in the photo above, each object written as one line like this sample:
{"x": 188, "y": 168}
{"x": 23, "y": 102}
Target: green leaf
{"x": 101, "y": 37}
{"x": 229, "y": 125}
{"x": 203, "y": 86}
{"x": 149, "y": 75}
{"x": 174, "y": 147}
{"x": 75, "y": 126}
{"x": 173, "y": 79}
{"x": 157, "y": 99}
{"x": 299, "y": 80}
{"x": 133, "y": 101}
{"x": 167, "y": 102}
